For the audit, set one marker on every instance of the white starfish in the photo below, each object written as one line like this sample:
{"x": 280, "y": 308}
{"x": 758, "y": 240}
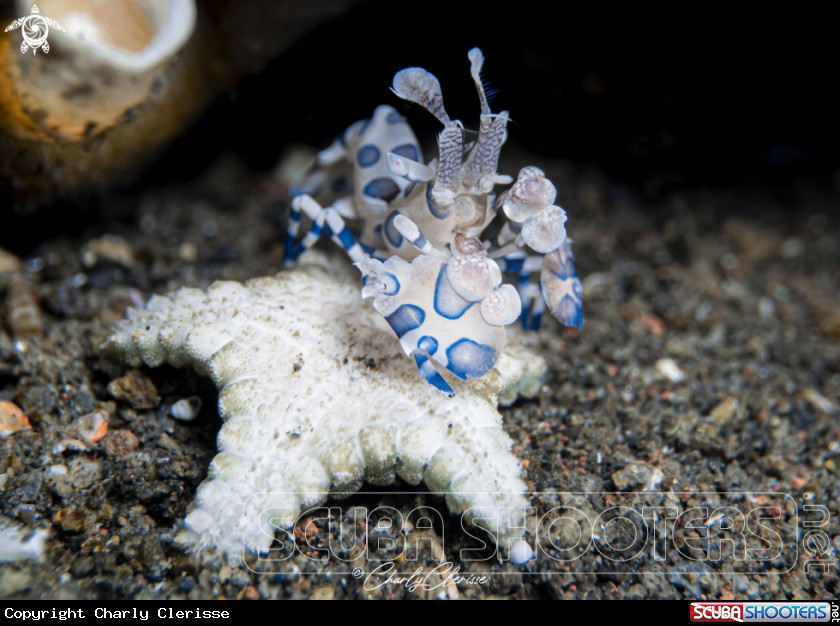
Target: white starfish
{"x": 317, "y": 398}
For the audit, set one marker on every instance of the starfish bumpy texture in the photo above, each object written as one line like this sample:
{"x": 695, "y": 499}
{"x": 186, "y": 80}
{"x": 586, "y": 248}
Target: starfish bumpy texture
{"x": 317, "y": 398}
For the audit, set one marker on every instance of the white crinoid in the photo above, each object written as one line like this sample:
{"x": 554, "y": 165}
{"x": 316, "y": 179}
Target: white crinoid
{"x": 317, "y": 398}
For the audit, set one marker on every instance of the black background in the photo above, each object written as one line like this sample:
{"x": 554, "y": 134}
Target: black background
{"x": 700, "y": 93}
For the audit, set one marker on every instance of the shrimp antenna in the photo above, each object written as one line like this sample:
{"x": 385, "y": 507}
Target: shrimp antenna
{"x": 476, "y": 63}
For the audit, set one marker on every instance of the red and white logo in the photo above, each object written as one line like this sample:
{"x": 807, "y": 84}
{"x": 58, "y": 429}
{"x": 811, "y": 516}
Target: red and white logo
{"x": 717, "y": 612}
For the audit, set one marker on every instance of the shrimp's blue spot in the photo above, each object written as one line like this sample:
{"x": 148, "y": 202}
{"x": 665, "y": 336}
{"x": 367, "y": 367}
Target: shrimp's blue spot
{"x": 406, "y": 318}
{"x": 408, "y": 151}
{"x": 382, "y": 188}
{"x": 368, "y": 155}
{"x": 394, "y": 118}
{"x": 448, "y": 303}
{"x": 433, "y": 208}
{"x": 429, "y": 344}
{"x": 393, "y": 283}
{"x": 409, "y": 189}
{"x": 468, "y": 359}
{"x": 393, "y": 236}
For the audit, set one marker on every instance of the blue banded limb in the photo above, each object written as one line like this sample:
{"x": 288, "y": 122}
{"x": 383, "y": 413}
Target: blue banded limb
{"x": 432, "y": 376}
{"x": 411, "y": 232}
{"x": 524, "y": 266}
{"x": 324, "y": 221}
{"x": 561, "y": 288}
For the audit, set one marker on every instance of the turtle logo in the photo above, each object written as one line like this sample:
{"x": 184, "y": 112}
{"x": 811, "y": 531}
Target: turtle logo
{"x": 36, "y": 27}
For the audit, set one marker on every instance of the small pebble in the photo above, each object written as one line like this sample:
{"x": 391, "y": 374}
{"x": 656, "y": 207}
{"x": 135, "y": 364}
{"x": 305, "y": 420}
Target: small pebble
{"x": 829, "y": 324}
{"x": 819, "y": 401}
{"x": 12, "y": 419}
{"x": 188, "y": 252}
{"x": 324, "y": 593}
{"x": 792, "y": 248}
{"x": 78, "y": 280}
{"x": 83, "y": 471}
{"x": 136, "y": 389}
{"x": 729, "y": 261}
{"x": 668, "y": 368}
{"x": 93, "y": 426}
{"x": 70, "y": 519}
{"x": 766, "y": 307}
{"x": 724, "y": 411}
{"x": 120, "y": 443}
{"x": 521, "y": 553}
{"x": 239, "y": 579}
{"x": 9, "y": 263}
{"x": 108, "y": 248}
{"x": 57, "y": 470}
{"x": 24, "y": 314}
{"x": 635, "y": 475}
{"x": 74, "y": 445}
{"x": 209, "y": 228}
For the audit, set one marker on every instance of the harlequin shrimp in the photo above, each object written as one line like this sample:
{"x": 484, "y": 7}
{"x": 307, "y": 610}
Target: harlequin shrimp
{"x": 420, "y": 252}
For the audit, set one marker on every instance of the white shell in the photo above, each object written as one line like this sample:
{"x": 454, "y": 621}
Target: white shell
{"x": 186, "y": 409}
{"x": 170, "y": 21}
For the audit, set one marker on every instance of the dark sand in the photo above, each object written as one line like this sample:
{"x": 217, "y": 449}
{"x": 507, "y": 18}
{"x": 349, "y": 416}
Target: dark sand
{"x": 739, "y": 287}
